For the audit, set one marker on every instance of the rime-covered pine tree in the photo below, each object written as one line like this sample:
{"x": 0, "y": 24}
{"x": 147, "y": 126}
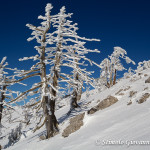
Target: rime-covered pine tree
{"x": 112, "y": 64}
{"x": 116, "y": 65}
{"x": 143, "y": 65}
{"x": 105, "y": 72}
{"x": 41, "y": 90}
{"x": 7, "y": 79}
{"x": 59, "y": 46}
{"x": 70, "y": 53}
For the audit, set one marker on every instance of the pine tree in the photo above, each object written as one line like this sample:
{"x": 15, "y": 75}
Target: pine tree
{"x": 116, "y": 64}
{"x": 41, "y": 90}
{"x": 60, "y": 46}
{"x": 71, "y": 53}
{"x": 111, "y": 65}
{"x": 7, "y": 79}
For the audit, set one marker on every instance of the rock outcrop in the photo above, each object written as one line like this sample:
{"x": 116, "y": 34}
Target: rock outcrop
{"x": 148, "y": 80}
{"x": 132, "y": 93}
{"x": 75, "y": 124}
{"x": 143, "y": 98}
{"x": 110, "y": 100}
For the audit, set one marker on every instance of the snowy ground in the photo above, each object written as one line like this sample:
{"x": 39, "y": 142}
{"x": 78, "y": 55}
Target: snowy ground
{"x": 116, "y": 127}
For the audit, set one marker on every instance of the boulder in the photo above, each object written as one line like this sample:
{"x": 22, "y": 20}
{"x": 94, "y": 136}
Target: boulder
{"x": 129, "y": 103}
{"x": 148, "y": 80}
{"x": 92, "y": 110}
{"x": 132, "y": 93}
{"x": 110, "y": 100}
{"x": 143, "y": 98}
{"x": 145, "y": 75}
{"x": 127, "y": 88}
{"x": 75, "y": 124}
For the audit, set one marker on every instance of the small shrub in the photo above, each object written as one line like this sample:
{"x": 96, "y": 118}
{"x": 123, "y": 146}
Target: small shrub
{"x": 15, "y": 135}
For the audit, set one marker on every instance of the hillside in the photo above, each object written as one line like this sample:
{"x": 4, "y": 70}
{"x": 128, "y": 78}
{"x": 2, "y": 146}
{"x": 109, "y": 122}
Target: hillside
{"x": 123, "y": 125}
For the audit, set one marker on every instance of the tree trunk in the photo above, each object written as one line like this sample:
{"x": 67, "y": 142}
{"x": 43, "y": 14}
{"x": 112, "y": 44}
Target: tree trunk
{"x": 48, "y": 105}
{"x": 79, "y": 94}
{"x": 2, "y": 98}
{"x": 108, "y": 85}
{"x": 115, "y": 75}
{"x": 76, "y": 96}
{"x": 55, "y": 84}
{"x": 51, "y": 122}
{"x": 48, "y": 117}
{"x": 111, "y": 76}
{"x": 106, "y": 73}
{"x": 74, "y": 103}
{"x": 78, "y": 90}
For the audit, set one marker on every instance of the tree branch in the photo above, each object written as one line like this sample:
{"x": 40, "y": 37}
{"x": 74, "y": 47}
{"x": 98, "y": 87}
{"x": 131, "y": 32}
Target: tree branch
{"x": 38, "y": 127}
{"x": 16, "y": 81}
{"x": 25, "y": 93}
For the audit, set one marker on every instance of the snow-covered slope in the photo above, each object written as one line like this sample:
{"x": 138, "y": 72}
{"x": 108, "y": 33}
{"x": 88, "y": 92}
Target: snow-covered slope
{"x": 117, "y": 127}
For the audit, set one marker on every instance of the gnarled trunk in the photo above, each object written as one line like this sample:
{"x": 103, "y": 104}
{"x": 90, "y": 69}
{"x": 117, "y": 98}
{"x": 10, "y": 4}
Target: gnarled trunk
{"x": 55, "y": 84}
{"x": 111, "y": 76}
{"x": 76, "y": 95}
{"x": 2, "y": 98}
{"x": 48, "y": 105}
{"x": 74, "y": 99}
{"x": 79, "y": 94}
{"x": 51, "y": 121}
{"x": 115, "y": 75}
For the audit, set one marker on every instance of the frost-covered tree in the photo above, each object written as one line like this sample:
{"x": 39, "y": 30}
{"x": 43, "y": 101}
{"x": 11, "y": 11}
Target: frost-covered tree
{"x": 143, "y": 65}
{"x": 80, "y": 76}
{"x": 116, "y": 65}
{"x": 70, "y": 53}
{"x": 59, "y": 46}
{"x": 111, "y": 65}
{"x": 14, "y": 135}
{"x": 41, "y": 90}
{"x": 7, "y": 79}
{"x": 105, "y": 72}
{"x": 130, "y": 73}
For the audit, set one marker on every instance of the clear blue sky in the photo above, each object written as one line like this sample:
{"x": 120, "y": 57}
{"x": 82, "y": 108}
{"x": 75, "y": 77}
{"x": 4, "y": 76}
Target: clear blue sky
{"x": 124, "y": 23}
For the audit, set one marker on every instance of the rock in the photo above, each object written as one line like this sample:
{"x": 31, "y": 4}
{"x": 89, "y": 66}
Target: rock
{"x": 110, "y": 100}
{"x": 146, "y": 88}
{"x": 121, "y": 94}
{"x": 129, "y": 103}
{"x": 119, "y": 91}
{"x": 127, "y": 77}
{"x": 145, "y": 75}
{"x": 132, "y": 93}
{"x": 92, "y": 110}
{"x": 144, "y": 98}
{"x": 127, "y": 88}
{"x": 42, "y": 137}
{"x": 75, "y": 124}
{"x": 148, "y": 80}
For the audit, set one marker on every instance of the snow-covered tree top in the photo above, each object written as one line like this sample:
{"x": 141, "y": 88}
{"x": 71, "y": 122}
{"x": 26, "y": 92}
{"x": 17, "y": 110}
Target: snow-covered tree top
{"x": 115, "y": 58}
{"x": 104, "y": 63}
{"x": 143, "y": 65}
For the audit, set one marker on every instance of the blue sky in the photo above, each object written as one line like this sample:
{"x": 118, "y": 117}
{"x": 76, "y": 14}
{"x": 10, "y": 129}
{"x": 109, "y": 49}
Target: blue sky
{"x": 124, "y": 23}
